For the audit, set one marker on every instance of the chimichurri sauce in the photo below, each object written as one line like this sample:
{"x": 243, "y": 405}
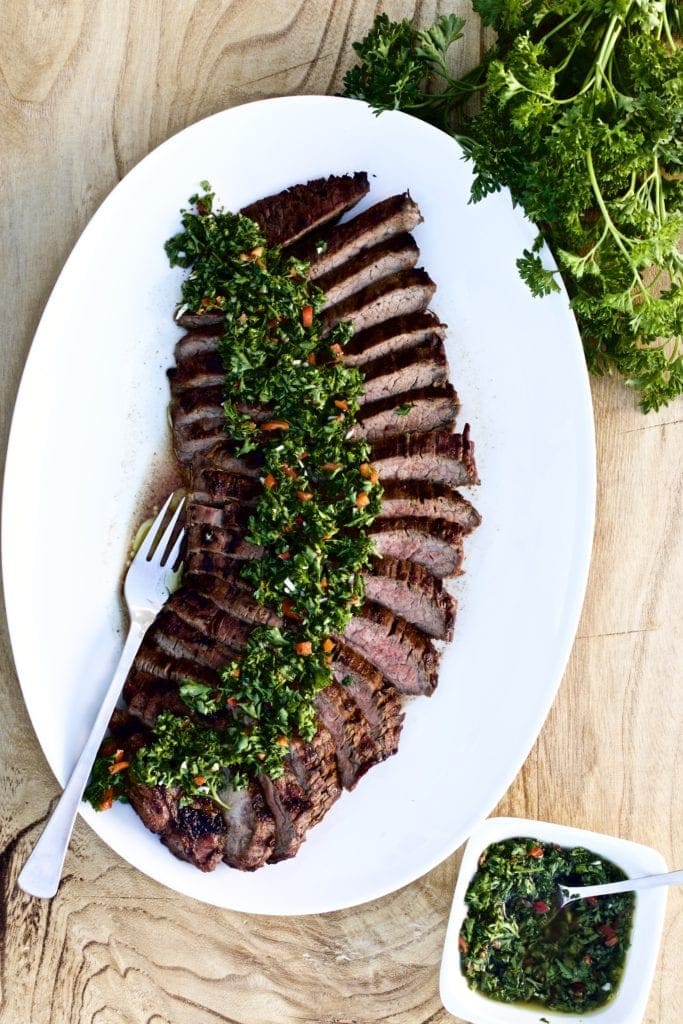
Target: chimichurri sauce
{"x": 514, "y": 946}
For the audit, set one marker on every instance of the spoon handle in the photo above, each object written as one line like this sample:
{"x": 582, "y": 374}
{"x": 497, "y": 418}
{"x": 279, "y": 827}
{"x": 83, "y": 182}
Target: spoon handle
{"x": 628, "y": 885}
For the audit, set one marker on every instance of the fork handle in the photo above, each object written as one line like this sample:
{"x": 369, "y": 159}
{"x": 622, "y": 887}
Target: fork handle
{"x": 627, "y": 885}
{"x": 41, "y": 874}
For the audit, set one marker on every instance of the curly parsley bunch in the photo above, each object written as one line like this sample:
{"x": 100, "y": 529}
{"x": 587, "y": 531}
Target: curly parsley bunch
{"x": 584, "y": 99}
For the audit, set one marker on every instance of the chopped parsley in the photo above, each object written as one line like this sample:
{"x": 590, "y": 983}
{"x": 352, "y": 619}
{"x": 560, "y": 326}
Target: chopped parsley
{"x": 515, "y": 948}
{"x": 319, "y": 493}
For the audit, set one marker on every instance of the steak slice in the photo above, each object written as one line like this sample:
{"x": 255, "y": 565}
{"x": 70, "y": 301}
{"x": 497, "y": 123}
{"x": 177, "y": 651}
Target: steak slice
{"x": 315, "y": 766}
{"x": 195, "y": 832}
{"x": 410, "y": 590}
{"x": 205, "y": 521}
{"x": 377, "y": 698}
{"x": 435, "y": 544}
{"x": 214, "y": 486}
{"x": 172, "y": 635}
{"x": 329, "y": 248}
{"x": 410, "y": 370}
{"x": 424, "y": 498}
{"x": 418, "y": 411}
{"x": 391, "y": 336}
{"x": 294, "y": 212}
{"x": 201, "y": 370}
{"x": 196, "y": 341}
{"x": 397, "y": 253}
{"x": 355, "y": 749}
{"x": 291, "y": 807}
{"x": 408, "y": 291}
{"x": 218, "y": 560}
{"x": 213, "y": 622}
{"x": 440, "y": 457}
{"x": 402, "y": 652}
{"x": 250, "y": 828}
{"x": 233, "y": 595}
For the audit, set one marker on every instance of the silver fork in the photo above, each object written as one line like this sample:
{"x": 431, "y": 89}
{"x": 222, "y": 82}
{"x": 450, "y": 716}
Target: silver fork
{"x": 147, "y": 586}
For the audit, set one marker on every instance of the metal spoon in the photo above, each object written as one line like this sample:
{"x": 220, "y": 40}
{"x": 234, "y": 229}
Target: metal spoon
{"x": 567, "y": 894}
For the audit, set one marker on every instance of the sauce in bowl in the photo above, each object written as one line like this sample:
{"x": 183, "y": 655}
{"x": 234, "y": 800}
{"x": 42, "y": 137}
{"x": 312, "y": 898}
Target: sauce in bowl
{"x": 516, "y": 948}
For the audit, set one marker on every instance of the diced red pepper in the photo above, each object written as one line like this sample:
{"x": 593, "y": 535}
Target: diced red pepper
{"x": 307, "y": 316}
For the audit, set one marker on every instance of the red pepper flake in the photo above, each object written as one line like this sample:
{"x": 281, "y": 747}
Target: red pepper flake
{"x": 269, "y": 481}
{"x": 536, "y": 852}
{"x": 288, "y": 611}
{"x": 311, "y": 359}
{"x": 341, "y": 403}
{"x": 107, "y": 799}
{"x": 285, "y": 556}
{"x": 307, "y": 316}
{"x": 288, "y": 471}
{"x": 231, "y": 701}
{"x": 275, "y": 425}
{"x": 541, "y": 907}
{"x": 120, "y": 766}
{"x": 304, "y": 495}
{"x": 199, "y": 780}
{"x": 336, "y": 350}
{"x": 592, "y": 901}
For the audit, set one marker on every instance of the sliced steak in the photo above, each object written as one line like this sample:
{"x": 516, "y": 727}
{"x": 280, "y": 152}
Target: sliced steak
{"x": 197, "y": 341}
{"x": 377, "y": 698}
{"x": 294, "y": 212}
{"x": 250, "y": 828}
{"x": 434, "y": 543}
{"x": 214, "y": 486}
{"x": 233, "y": 595}
{"x": 220, "y": 556}
{"x": 397, "y": 295}
{"x": 195, "y": 832}
{"x": 424, "y": 498}
{"x": 291, "y": 807}
{"x": 410, "y": 590}
{"x": 355, "y": 748}
{"x": 191, "y": 440}
{"x": 199, "y": 610}
{"x": 418, "y": 411}
{"x": 391, "y": 336}
{"x": 394, "y": 254}
{"x": 403, "y": 653}
{"x": 201, "y": 370}
{"x": 440, "y": 457}
{"x": 315, "y": 766}
{"x": 410, "y": 370}
{"x": 204, "y": 521}
{"x": 329, "y": 248}
{"x": 172, "y": 635}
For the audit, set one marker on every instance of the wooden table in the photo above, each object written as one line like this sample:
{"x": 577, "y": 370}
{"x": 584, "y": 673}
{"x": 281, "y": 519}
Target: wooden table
{"x": 87, "y": 89}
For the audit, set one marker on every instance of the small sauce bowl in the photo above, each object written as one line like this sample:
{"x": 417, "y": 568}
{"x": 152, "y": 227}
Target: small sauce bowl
{"x": 627, "y": 1005}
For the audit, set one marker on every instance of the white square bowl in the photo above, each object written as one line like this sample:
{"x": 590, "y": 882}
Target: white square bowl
{"x": 628, "y": 1004}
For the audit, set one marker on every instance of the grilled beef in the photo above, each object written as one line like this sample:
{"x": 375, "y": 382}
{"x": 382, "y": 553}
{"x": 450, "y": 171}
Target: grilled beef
{"x": 434, "y": 543}
{"x": 195, "y": 832}
{"x": 333, "y": 246}
{"x": 392, "y": 336}
{"x": 196, "y": 342}
{"x": 408, "y": 291}
{"x": 315, "y": 766}
{"x": 402, "y": 652}
{"x": 424, "y": 498}
{"x": 417, "y": 411}
{"x": 377, "y": 698}
{"x": 288, "y": 215}
{"x": 355, "y": 748}
{"x": 410, "y": 370}
{"x": 250, "y": 828}
{"x": 389, "y": 257}
{"x": 439, "y": 457}
{"x": 412, "y": 591}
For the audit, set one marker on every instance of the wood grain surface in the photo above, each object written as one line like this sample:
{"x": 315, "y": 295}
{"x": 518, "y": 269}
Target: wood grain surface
{"x": 87, "y": 88}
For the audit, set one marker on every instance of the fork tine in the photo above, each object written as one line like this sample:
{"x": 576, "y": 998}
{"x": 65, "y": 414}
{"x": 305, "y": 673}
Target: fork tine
{"x": 173, "y": 554}
{"x": 148, "y": 543}
{"x": 165, "y": 538}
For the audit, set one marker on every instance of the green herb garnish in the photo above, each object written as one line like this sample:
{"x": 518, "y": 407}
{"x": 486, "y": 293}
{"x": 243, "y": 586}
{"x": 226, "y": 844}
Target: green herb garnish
{"x": 582, "y": 119}
{"x": 515, "y": 948}
{"x": 319, "y": 494}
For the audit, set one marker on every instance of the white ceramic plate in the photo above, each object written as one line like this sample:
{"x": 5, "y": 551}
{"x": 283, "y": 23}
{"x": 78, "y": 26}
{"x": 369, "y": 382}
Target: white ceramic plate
{"x": 90, "y": 435}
